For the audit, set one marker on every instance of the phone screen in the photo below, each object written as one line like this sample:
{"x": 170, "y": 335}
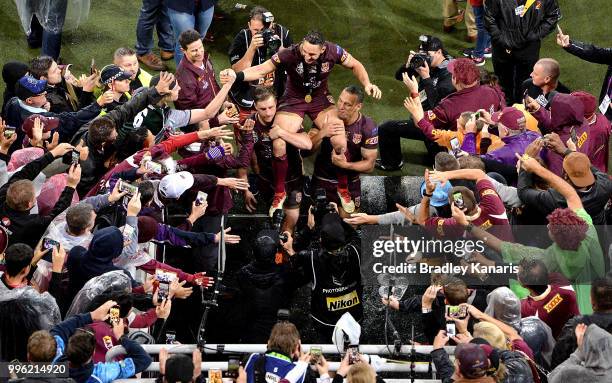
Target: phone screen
{"x": 8, "y": 132}
{"x": 201, "y": 198}
{"x": 458, "y": 199}
{"x": 450, "y": 329}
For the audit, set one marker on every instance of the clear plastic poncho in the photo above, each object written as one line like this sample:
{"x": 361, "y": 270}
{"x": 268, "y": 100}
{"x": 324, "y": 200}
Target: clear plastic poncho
{"x": 43, "y": 304}
{"x": 54, "y": 15}
{"x": 114, "y": 282}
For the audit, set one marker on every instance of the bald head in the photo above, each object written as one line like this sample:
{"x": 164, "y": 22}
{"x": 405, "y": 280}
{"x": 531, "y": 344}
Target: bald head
{"x": 546, "y": 72}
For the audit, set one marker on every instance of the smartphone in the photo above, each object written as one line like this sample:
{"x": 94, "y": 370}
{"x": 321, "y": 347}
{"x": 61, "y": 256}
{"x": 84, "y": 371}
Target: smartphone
{"x": 458, "y": 199}
{"x": 170, "y": 337}
{"x": 232, "y": 111}
{"x": 75, "y": 157}
{"x": 574, "y": 136}
{"x": 92, "y": 67}
{"x": 114, "y": 315}
{"x": 127, "y": 232}
{"x": 315, "y": 352}
{"x": 353, "y": 352}
{"x": 450, "y": 329}
{"x": 559, "y": 29}
{"x": 201, "y": 198}
{"x": 476, "y": 115}
{"x": 8, "y": 132}
{"x": 154, "y": 167}
{"x": 163, "y": 290}
{"x": 457, "y": 312}
{"x": 127, "y": 187}
{"x": 526, "y": 100}
{"x": 215, "y": 376}
{"x": 232, "y": 368}
{"x": 454, "y": 142}
{"x": 49, "y": 243}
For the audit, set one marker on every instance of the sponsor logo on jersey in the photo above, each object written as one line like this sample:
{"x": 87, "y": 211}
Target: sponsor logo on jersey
{"x": 554, "y": 302}
{"x": 272, "y": 378}
{"x": 372, "y": 140}
{"x": 342, "y": 302}
{"x": 486, "y": 225}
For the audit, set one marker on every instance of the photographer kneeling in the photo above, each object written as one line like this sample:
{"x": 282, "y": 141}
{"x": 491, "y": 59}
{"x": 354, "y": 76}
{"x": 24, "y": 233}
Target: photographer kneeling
{"x": 333, "y": 268}
{"x": 429, "y": 64}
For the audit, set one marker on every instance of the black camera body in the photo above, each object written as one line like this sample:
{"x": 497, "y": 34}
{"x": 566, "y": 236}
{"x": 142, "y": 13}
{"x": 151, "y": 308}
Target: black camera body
{"x": 418, "y": 61}
{"x": 321, "y": 206}
{"x": 277, "y": 224}
{"x": 272, "y": 42}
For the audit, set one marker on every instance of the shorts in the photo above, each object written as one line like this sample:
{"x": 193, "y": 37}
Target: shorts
{"x": 331, "y": 190}
{"x": 300, "y": 107}
{"x": 293, "y": 188}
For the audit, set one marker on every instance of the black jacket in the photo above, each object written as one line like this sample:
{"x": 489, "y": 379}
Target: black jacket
{"x": 93, "y": 168}
{"x": 59, "y": 98}
{"x": 597, "y": 55}
{"x": 436, "y": 87}
{"x": 511, "y": 31}
{"x": 25, "y": 227}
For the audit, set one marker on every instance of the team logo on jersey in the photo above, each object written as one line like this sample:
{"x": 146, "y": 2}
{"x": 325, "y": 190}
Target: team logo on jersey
{"x": 550, "y": 306}
{"x": 276, "y": 59}
{"x": 431, "y": 115}
{"x": 356, "y": 138}
{"x": 6, "y": 221}
{"x": 330, "y": 98}
{"x": 325, "y": 67}
{"x": 342, "y": 302}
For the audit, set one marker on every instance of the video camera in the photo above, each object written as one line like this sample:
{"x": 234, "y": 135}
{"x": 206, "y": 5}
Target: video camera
{"x": 272, "y": 41}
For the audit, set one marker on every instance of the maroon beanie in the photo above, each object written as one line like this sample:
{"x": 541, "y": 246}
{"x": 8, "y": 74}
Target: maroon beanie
{"x": 588, "y": 101}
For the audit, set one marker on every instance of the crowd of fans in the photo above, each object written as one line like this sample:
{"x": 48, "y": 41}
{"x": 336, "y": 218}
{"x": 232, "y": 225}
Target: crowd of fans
{"x": 96, "y": 168}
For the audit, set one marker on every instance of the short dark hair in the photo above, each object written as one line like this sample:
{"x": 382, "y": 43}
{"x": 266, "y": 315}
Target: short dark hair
{"x": 189, "y": 36}
{"x": 17, "y": 257}
{"x": 78, "y": 217}
{"x": 20, "y": 194}
{"x": 146, "y": 190}
{"x": 123, "y": 51}
{"x": 39, "y": 66}
{"x": 41, "y": 347}
{"x": 533, "y": 275}
{"x": 257, "y": 13}
{"x": 314, "y": 37}
{"x": 601, "y": 293}
{"x": 101, "y": 130}
{"x": 262, "y": 93}
{"x": 471, "y": 162}
{"x": 80, "y": 347}
{"x": 355, "y": 91}
{"x": 132, "y": 141}
{"x": 455, "y": 291}
{"x": 444, "y": 162}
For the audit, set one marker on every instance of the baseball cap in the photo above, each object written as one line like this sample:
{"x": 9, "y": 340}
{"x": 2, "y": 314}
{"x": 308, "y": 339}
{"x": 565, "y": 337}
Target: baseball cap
{"x": 464, "y": 70}
{"x": 113, "y": 73}
{"x": 28, "y": 86}
{"x": 48, "y": 123}
{"x": 4, "y": 239}
{"x": 174, "y": 185}
{"x": 588, "y": 101}
{"x": 179, "y": 368}
{"x": 473, "y": 361}
{"x": 577, "y": 166}
{"x": 430, "y": 43}
{"x": 510, "y": 117}
{"x": 440, "y": 194}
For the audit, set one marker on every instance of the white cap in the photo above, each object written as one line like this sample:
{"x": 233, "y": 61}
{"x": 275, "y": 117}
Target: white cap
{"x": 174, "y": 185}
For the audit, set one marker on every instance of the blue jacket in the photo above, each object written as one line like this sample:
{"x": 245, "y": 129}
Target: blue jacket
{"x": 137, "y": 360}
{"x": 512, "y": 144}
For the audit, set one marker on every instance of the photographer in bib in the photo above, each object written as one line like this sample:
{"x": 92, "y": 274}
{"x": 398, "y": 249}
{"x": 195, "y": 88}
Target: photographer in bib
{"x": 253, "y": 46}
{"x": 429, "y": 65}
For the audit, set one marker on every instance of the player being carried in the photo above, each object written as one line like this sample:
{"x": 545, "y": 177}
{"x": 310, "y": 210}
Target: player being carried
{"x": 308, "y": 65}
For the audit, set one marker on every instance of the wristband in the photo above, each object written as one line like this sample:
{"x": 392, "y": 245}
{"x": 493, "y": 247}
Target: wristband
{"x": 427, "y": 195}
{"x": 469, "y": 227}
{"x": 214, "y": 122}
{"x": 425, "y": 310}
{"x": 567, "y": 151}
{"x": 240, "y": 76}
{"x": 414, "y": 94}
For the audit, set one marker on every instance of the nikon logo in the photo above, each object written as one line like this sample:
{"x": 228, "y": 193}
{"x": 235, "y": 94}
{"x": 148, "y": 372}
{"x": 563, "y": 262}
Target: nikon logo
{"x": 342, "y": 302}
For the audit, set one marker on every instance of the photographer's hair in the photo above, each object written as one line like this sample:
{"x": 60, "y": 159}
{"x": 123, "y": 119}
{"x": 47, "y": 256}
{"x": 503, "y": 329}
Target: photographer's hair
{"x": 355, "y": 91}
{"x": 601, "y": 293}
{"x": 20, "y": 195}
{"x": 122, "y": 52}
{"x": 455, "y": 291}
{"x": 187, "y": 37}
{"x": 78, "y": 218}
{"x": 100, "y": 131}
{"x": 361, "y": 373}
{"x": 39, "y": 66}
{"x": 551, "y": 68}
{"x": 284, "y": 338}
{"x": 17, "y": 257}
{"x": 533, "y": 275}
{"x": 444, "y": 162}
{"x": 315, "y": 38}
{"x": 471, "y": 162}
{"x": 81, "y": 347}
{"x": 257, "y": 13}
{"x": 469, "y": 199}
{"x": 262, "y": 93}
{"x": 41, "y": 347}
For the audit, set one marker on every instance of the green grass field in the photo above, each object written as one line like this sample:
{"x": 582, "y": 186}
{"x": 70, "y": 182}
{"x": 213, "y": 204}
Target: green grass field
{"x": 378, "y": 33}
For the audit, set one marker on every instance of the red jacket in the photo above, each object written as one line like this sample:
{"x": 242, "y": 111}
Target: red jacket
{"x": 198, "y": 86}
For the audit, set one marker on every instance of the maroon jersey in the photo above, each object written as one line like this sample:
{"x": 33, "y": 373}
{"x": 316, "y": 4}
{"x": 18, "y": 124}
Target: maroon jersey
{"x": 302, "y": 78}
{"x": 492, "y": 216}
{"x": 555, "y": 307}
{"x": 363, "y": 133}
{"x": 262, "y": 148}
